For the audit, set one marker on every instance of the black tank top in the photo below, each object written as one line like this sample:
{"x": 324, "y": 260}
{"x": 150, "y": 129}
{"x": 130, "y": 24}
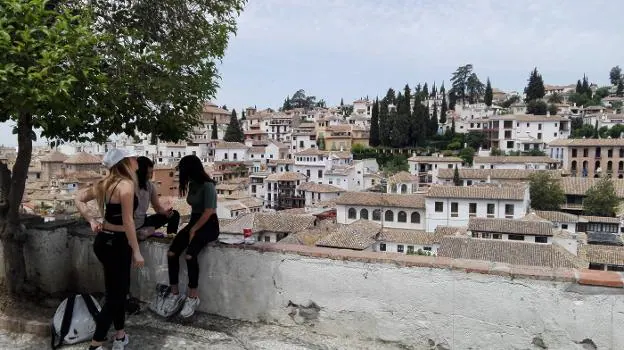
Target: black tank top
{"x": 112, "y": 211}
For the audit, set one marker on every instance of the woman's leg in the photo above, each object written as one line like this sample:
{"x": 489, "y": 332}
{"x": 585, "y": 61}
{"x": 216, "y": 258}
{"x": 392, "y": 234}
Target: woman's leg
{"x": 180, "y": 242}
{"x": 124, "y": 256}
{"x": 208, "y": 233}
{"x": 159, "y": 220}
{"x": 113, "y": 284}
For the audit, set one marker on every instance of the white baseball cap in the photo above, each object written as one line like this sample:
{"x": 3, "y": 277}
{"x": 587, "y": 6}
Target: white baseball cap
{"x": 115, "y": 156}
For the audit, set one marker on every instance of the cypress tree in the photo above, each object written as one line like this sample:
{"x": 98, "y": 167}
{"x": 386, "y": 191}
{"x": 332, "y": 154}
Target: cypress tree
{"x": 444, "y": 107}
{"x": 456, "y": 180}
{"x": 579, "y": 87}
{"x": 374, "y": 129}
{"x": 234, "y": 133}
{"x": 384, "y": 118}
{"x": 425, "y": 90}
{"x": 489, "y": 94}
{"x": 433, "y": 123}
{"x": 586, "y": 88}
{"x": 535, "y": 88}
{"x": 434, "y": 91}
{"x": 452, "y": 100}
{"x": 243, "y": 116}
{"x": 215, "y": 134}
{"x": 620, "y": 88}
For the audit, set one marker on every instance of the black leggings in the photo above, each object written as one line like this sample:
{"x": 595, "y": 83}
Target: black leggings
{"x": 207, "y": 233}
{"x": 115, "y": 254}
{"x": 159, "y": 220}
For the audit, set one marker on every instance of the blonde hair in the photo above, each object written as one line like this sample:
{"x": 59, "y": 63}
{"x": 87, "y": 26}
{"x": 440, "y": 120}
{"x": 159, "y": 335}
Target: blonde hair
{"x": 118, "y": 172}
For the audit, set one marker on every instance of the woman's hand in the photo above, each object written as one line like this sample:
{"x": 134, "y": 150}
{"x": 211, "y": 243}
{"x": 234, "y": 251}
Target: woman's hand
{"x": 96, "y": 227}
{"x": 138, "y": 259}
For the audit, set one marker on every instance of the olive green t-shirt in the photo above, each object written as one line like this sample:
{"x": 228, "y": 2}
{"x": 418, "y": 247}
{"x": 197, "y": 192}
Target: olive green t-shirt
{"x": 201, "y": 196}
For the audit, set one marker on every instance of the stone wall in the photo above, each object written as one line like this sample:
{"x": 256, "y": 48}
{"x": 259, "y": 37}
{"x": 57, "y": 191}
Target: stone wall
{"x": 412, "y": 300}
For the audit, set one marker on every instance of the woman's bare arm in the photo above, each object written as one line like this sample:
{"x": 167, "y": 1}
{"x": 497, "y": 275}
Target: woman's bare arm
{"x": 82, "y": 198}
{"x": 126, "y": 197}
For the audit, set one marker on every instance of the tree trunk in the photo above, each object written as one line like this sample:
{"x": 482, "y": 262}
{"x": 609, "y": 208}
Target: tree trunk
{"x": 12, "y": 190}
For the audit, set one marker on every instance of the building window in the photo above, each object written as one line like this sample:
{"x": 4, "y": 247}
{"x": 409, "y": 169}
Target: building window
{"x": 486, "y": 235}
{"x": 497, "y": 236}
{"x": 509, "y": 211}
{"x": 404, "y": 188}
{"x": 475, "y": 235}
{"x": 585, "y": 152}
{"x": 490, "y": 210}
{"x": 267, "y": 238}
{"x": 364, "y": 214}
{"x": 427, "y": 249}
{"x": 516, "y": 237}
{"x": 389, "y": 216}
{"x": 539, "y": 136}
{"x": 410, "y": 249}
{"x": 400, "y": 248}
{"x": 415, "y": 219}
{"x": 610, "y": 153}
{"x": 541, "y": 239}
{"x": 510, "y": 144}
{"x": 382, "y": 247}
{"x": 439, "y": 207}
{"x": 472, "y": 209}
{"x": 564, "y": 226}
{"x": 539, "y": 126}
{"x": 320, "y": 174}
{"x": 402, "y": 216}
{"x": 235, "y": 156}
{"x": 308, "y": 173}
{"x": 377, "y": 215}
{"x": 454, "y": 209}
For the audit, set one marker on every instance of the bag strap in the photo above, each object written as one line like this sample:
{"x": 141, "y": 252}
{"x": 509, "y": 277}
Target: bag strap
{"x": 90, "y": 305}
{"x": 66, "y": 322}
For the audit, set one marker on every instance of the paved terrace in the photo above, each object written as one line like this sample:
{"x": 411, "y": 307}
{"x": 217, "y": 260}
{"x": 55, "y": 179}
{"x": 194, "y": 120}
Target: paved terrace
{"x": 319, "y": 298}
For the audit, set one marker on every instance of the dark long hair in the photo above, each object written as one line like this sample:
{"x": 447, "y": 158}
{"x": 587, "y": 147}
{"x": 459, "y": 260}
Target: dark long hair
{"x": 191, "y": 168}
{"x": 144, "y": 164}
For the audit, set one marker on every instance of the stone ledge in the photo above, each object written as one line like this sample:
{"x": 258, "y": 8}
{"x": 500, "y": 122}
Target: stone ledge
{"x": 19, "y": 325}
{"x": 583, "y": 277}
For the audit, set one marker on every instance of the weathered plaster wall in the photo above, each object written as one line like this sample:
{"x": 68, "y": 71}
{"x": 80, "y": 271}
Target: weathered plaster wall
{"x": 344, "y": 294}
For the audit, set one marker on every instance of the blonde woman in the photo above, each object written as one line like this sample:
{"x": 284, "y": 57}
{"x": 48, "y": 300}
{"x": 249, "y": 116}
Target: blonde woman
{"x": 116, "y": 242}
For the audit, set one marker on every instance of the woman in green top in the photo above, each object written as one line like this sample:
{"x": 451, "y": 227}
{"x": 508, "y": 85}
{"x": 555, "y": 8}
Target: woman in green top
{"x": 203, "y": 227}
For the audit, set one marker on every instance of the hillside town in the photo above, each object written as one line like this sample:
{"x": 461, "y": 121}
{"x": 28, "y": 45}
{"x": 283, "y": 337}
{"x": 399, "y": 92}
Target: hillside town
{"x": 307, "y": 174}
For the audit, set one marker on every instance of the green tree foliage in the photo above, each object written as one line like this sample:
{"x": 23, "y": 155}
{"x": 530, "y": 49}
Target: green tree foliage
{"x": 537, "y": 107}
{"x": 243, "y": 116}
{"x": 425, "y": 89}
{"x": 456, "y": 180}
{"x": 467, "y": 154}
{"x": 489, "y": 94}
{"x": 601, "y": 93}
{"x": 433, "y": 121}
{"x": 552, "y": 109}
{"x": 546, "y": 191}
{"x": 555, "y": 98}
{"x": 374, "y": 129}
{"x": 474, "y": 88}
{"x": 586, "y": 89}
{"x": 78, "y": 79}
{"x": 459, "y": 81}
{"x": 444, "y": 107}
{"x": 320, "y": 142}
{"x": 620, "y": 88}
{"x": 385, "y": 124}
{"x": 535, "y": 88}
{"x": 452, "y": 99}
{"x": 615, "y": 75}
{"x": 215, "y": 131}
{"x": 300, "y": 100}
{"x": 475, "y": 139}
{"x": 511, "y": 100}
{"x": 402, "y": 120}
{"x": 601, "y": 199}
{"x": 234, "y": 132}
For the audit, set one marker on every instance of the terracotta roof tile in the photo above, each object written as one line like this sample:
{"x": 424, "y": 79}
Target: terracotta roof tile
{"x": 83, "y": 158}
{"x": 587, "y": 142}
{"x": 320, "y": 188}
{"x": 403, "y": 177}
{"x": 382, "y": 200}
{"x": 580, "y": 185}
{"x": 359, "y": 235}
{"x": 493, "y": 174}
{"x": 514, "y": 253}
{"x": 513, "y": 159}
{"x": 603, "y": 254}
{"x": 431, "y": 159}
{"x": 230, "y": 145}
{"x": 477, "y": 192}
{"x": 511, "y": 226}
{"x": 271, "y": 222}
{"x": 417, "y": 237}
{"x": 286, "y": 176}
{"x": 557, "y": 216}
{"x": 601, "y": 219}
{"x": 54, "y": 157}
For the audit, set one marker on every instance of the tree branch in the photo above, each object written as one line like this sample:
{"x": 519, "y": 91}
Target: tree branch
{"x": 20, "y": 169}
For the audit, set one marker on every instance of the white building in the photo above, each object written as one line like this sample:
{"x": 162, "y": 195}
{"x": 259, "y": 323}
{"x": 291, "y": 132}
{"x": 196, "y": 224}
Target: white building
{"x": 402, "y": 182}
{"x": 280, "y": 190}
{"x": 301, "y": 141}
{"x": 560, "y": 220}
{"x": 510, "y": 229}
{"x": 455, "y": 205}
{"x": 514, "y": 162}
{"x": 526, "y": 132}
{"x": 401, "y": 211}
{"x": 230, "y": 209}
{"x": 416, "y": 242}
{"x": 230, "y": 152}
{"x": 364, "y": 107}
{"x": 426, "y": 167}
{"x": 315, "y": 193}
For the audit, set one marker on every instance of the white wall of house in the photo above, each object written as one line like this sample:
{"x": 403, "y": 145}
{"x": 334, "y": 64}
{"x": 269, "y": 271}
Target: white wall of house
{"x": 431, "y": 168}
{"x": 460, "y": 218}
{"x": 342, "y": 216}
{"x": 539, "y": 131}
{"x": 505, "y": 237}
{"x": 312, "y": 198}
{"x": 302, "y": 142}
{"x": 398, "y": 247}
{"x": 230, "y": 154}
{"x": 507, "y": 165}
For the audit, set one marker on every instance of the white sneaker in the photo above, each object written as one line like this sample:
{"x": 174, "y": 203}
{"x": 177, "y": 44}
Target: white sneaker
{"x": 172, "y": 304}
{"x": 190, "y": 305}
{"x": 120, "y": 344}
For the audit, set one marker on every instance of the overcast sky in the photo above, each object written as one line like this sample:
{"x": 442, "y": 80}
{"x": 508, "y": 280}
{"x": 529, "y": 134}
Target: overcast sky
{"x": 355, "y": 48}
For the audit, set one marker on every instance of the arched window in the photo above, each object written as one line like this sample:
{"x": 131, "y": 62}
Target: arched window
{"x": 403, "y": 188}
{"x": 393, "y": 188}
{"x": 415, "y": 218}
{"x": 389, "y": 216}
{"x": 621, "y": 166}
{"x": 377, "y": 215}
{"x": 573, "y": 167}
{"x": 352, "y": 213}
{"x": 597, "y": 165}
{"x": 402, "y": 216}
{"x": 364, "y": 214}
{"x": 609, "y": 166}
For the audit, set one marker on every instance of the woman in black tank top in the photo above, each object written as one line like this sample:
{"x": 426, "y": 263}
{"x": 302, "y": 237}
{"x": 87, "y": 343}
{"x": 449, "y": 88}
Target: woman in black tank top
{"x": 116, "y": 243}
